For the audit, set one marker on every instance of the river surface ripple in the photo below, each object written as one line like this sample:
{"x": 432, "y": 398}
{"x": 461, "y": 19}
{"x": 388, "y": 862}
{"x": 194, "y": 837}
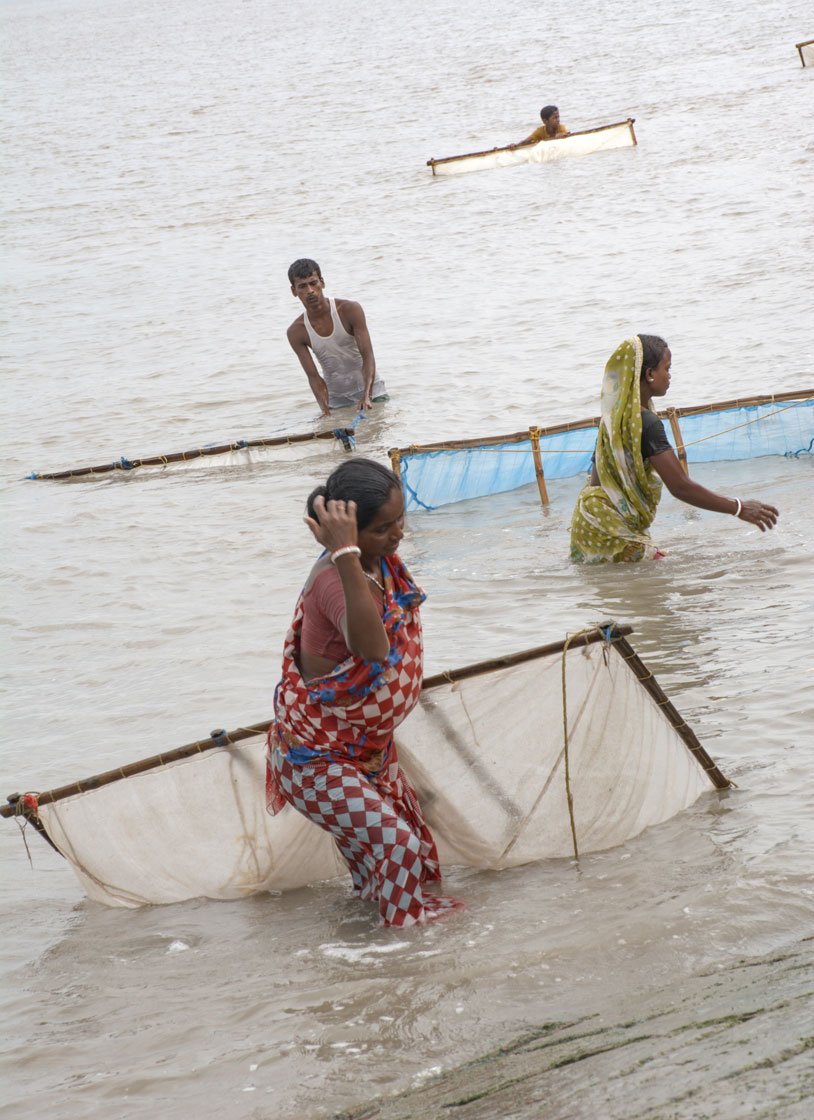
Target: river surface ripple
{"x": 165, "y": 163}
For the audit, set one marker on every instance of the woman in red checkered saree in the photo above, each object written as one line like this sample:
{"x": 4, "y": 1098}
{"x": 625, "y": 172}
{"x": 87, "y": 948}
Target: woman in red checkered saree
{"x": 352, "y": 671}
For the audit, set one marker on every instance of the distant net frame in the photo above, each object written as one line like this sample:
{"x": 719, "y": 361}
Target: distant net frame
{"x": 567, "y": 448}
{"x": 806, "y": 52}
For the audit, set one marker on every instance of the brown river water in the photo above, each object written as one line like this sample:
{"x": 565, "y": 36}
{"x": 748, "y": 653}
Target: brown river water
{"x": 164, "y": 165}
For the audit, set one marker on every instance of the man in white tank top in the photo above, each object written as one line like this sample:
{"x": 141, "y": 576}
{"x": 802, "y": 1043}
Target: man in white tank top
{"x": 335, "y": 333}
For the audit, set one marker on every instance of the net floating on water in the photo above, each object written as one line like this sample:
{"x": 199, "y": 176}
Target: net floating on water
{"x": 604, "y": 138}
{"x": 238, "y": 453}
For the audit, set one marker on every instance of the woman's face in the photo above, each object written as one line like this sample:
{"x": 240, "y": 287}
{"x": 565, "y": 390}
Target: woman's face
{"x": 382, "y": 536}
{"x": 658, "y": 379}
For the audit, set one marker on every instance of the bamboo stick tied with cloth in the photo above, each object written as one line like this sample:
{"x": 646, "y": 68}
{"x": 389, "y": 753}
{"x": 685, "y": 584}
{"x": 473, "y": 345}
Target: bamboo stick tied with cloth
{"x": 534, "y": 436}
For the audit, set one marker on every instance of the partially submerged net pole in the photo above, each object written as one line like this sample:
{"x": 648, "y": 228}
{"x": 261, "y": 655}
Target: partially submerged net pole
{"x": 681, "y": 450}
{"x": 395, "y": 461}
{"x": 124, "y": 464}
{"x": 534, "y": 436}
{"x": 24, "y": 807}
{"x": 649, "y": 682}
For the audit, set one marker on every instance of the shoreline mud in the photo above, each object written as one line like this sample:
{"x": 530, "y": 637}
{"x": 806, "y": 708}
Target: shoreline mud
{"x": 738, "y": 1043}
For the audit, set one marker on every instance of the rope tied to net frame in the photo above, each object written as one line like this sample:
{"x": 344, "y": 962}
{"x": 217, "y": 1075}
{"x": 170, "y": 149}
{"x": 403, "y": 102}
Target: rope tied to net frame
{"x": 347, "y": 436}
{"x": 26, "y": 809}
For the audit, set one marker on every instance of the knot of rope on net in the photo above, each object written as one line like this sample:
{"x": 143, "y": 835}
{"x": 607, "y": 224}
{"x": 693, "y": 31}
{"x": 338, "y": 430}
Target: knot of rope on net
{"x": 346, "y": 436}
{"x": 26, "y": 809}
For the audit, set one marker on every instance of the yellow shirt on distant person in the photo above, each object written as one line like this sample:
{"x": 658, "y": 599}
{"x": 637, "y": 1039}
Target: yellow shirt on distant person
{"x": 541, "y": 133}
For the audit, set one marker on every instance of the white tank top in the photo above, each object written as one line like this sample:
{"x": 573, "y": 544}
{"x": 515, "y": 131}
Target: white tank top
{"x": 341, "y": 362}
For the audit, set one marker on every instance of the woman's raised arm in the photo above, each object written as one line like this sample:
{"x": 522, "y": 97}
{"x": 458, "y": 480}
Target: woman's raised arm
{"x": 336, "y": 530}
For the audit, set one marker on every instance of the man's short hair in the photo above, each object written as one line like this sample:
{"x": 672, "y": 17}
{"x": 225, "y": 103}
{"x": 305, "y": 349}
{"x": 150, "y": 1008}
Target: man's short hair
{"x": 547, "y": 112}
{"x": 302, "y": 268}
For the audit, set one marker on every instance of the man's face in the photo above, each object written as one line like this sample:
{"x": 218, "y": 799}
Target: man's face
{"x": 553, "y": 122}
{"x": 309, "y": 289}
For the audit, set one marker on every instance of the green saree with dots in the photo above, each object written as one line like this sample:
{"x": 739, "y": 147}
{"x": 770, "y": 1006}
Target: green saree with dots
{"x": 611, "y": 521}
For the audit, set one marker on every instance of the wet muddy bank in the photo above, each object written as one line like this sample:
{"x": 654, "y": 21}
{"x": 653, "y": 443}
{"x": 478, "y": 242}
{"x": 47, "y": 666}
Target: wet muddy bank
{"x": 737, "y": 1042}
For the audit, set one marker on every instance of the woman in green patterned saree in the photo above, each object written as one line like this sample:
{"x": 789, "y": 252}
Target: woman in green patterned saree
{"x": 633, "y": 458}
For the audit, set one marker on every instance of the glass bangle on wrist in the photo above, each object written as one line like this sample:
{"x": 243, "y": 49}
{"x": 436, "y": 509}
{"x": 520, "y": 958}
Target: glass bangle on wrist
{"x": 348, "y": 550}
{"x": 739, "y": 505}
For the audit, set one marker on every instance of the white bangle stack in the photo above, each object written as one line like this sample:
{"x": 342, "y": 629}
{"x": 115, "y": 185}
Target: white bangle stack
{"x": 739, "y": 505}
{"x": 348, "y": 550}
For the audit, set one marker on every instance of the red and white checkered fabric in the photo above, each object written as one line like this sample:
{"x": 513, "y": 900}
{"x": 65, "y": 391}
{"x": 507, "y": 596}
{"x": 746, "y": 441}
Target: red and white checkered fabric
{"x": 351, "y": 713}
{"x": 379, "y": 829}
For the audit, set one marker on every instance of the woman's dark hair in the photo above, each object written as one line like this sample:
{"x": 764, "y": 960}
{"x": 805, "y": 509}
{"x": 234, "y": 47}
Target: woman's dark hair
{"x": 363, "y": 481}
{"x": 653, "y": 349}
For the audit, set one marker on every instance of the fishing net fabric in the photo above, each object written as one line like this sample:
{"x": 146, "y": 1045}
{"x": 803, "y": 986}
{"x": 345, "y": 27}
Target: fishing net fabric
{"x": 619, "y": 135}
{"x": 486, "y": 755}
{"x": 439, "y": 477}
{"x": 749, "y": 432}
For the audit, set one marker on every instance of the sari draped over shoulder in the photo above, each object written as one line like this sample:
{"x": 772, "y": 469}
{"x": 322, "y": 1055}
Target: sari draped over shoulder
{"x": 610, "y": 521}
{"x": 349, "y": 715}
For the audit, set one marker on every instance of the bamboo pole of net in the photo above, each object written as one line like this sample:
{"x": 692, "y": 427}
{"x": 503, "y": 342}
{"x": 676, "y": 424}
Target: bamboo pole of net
{"x": 125, "y": 465}
{"x": 534, "y": 436}
{"x": 649, "y": 682}
{"x": 681, "y": 450}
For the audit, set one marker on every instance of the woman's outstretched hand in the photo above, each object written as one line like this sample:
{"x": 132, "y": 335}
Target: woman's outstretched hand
{"x": 760, "y": 514}
{"x": 336, "y": 527}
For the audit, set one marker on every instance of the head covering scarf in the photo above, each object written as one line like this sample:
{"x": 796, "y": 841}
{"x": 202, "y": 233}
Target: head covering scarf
{"x": 350, "y": 714}
{"x": 610, "y": 521}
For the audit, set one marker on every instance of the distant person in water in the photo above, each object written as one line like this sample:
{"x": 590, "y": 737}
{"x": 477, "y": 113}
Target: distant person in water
{"x": 550, "y": 129}
{"x": 632, "y": 459}
{"x": 335, "y": 333}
